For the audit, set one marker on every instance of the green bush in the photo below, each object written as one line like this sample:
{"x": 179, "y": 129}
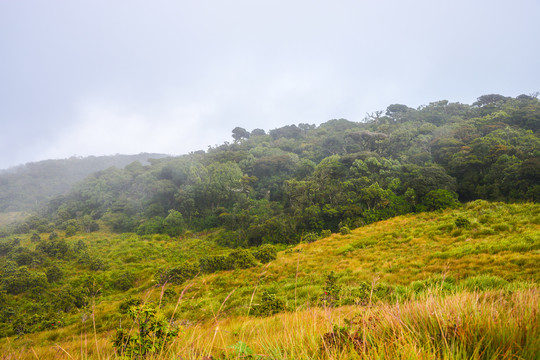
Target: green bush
{"x": 35, "y": 237}
{"x": 311, "y": 237}
{"x": 332, "y": 290}
{"x": 128, "y": 303}
{"x": 265, "y": 253}
{"x": 269, "y": 305}
{"x": 440, "y": 199}
{"x": 357, "y": 295}
{"x": 123, "y": 281}
{"x": 54, "y": 274}
{"x": 213, "y": 263}
{"x": 152, "y": 332}
{"x": 344, "y": 230}
{"x": 179, "y": 274}
{"x": 242, "y": 259}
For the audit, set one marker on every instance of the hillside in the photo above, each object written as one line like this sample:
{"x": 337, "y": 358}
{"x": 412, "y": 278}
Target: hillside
{"x": 483, "y": 246}
{"x": 412, "y": 234}
{"x": 24, "y": 187}
{"x": 304, "y": 179}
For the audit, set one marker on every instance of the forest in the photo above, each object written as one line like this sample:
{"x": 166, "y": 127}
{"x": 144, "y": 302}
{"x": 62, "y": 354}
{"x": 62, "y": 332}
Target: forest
{"x": 299, "y": 180}
{"x": 464, "y": 179}
{"x": 25, "y": 187}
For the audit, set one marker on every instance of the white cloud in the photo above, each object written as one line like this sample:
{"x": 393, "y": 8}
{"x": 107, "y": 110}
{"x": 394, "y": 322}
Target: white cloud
{"x": 104, "y": 128}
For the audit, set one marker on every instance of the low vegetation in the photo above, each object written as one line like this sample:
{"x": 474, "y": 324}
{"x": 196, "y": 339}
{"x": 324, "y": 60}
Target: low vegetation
{"x": 425, "y": 284}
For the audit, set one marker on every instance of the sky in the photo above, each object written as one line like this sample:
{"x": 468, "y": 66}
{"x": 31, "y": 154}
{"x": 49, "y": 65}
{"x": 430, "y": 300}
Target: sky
{"x": 104, "y": 77}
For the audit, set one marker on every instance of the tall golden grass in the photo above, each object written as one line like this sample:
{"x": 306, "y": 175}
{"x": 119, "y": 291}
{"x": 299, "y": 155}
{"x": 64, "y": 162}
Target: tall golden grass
{"x": 469, "y": 325}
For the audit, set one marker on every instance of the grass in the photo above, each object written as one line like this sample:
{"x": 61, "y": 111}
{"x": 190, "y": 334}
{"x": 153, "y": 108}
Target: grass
{"x": 468, "y": 325}
{"x": 426, "y": 286}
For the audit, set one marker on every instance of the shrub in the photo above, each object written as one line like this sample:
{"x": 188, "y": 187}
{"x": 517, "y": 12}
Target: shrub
{"x": 344, "y": 230}
{"x": 54, "y": 274}
{"x": 269, "y": 305}
{"x": 265, "y": 253}
{"x": 440, "y": 199}
{"x": 153, "y": 331}
{"x": 213, "y": 263}
{"x": 358, "y": 295}
{"x": 325, "y": 233}
{"x": 35, "y": 237}
{"x": 123, "y": 281}
{"x": 332, "y": 290}
{"x": 57, "y": 248}
{"x": 128, "y": 303}
{"x": 96, "y": 264}
{"x": 71, "y": 230}
{"x": 311, "y": 237}
{"x": 178, "y": 274}
{"x": 242, "y": 259}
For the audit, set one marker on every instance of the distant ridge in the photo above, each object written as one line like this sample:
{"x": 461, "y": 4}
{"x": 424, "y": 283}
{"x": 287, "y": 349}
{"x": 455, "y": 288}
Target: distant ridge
{"x": 24, "y": 186}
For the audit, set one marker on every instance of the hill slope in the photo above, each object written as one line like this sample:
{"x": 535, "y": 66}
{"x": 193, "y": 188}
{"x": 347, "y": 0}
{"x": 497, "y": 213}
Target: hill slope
{"x": 481, "y": 247}
{"x": 24, "y": 187}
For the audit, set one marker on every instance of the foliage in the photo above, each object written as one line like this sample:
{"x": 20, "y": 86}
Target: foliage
{"x": 302, "y": 179}
{"x": 152, "y": 333}
{"x": 332, "y": 290}
{"x": 178, "y": 274}
{"x": 265, "y": 253}
{"x": 270, "y": 304}
{"x": 440, "y": 199}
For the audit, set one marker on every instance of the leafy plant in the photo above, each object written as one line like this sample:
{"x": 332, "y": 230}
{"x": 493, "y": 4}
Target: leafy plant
{"x": 332, "y": 290}
{"x": 269, "y": 305}
{"x": 152, "y": 333}
{"x": 265, "y": 253}
{"x": 462, "y": 222}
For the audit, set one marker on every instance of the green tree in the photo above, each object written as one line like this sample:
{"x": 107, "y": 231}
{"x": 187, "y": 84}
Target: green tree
{"x": 174, "y": 224}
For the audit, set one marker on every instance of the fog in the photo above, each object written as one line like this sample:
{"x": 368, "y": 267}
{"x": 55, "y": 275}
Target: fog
{"x": 101, "y": 77}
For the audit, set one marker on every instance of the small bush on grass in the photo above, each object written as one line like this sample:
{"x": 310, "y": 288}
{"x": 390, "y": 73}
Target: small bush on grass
{"x": 332, "y": 290}
{"x": 265, "y": 253}
{"x": 269, "y": 305}
{"x": 178, "y": 274}
{"x": 152, "y": 332}
{"x": 344, "y": 230}
{"x": 462, "y": 222}
{"x": 242, "y": 259}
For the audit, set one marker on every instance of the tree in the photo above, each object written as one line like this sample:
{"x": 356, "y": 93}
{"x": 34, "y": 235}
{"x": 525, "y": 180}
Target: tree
{"x": 440, "y": 199}
{"x": 239, "y": 133}
{"x": 490, "y": 99}
{"x": 258, "y": 132}
{"x": 174, "y": 224}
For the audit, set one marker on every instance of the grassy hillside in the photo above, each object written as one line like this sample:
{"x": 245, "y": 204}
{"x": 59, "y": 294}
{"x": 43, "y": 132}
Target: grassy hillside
{"x": 459, "y": 283}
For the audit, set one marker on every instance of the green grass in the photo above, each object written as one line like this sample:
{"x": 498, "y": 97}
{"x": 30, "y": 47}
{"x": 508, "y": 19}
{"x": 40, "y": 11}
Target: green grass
{"x": 417, "y": 269}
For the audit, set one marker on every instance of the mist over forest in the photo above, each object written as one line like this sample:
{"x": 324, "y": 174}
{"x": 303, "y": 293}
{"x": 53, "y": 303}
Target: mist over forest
{"x": 426, "y": 215}
{"x": 275, "y": 186}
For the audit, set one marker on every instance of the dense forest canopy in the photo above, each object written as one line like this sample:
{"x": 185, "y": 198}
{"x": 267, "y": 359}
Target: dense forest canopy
{"x": 279, "y": 186}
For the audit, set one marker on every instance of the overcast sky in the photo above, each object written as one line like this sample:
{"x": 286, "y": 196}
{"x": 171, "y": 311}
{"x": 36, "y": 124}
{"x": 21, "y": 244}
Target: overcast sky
{"x": 96, "y": 77}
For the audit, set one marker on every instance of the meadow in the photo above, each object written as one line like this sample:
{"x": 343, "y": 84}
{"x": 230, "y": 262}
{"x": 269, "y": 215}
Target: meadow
{"x": 453, "y": 284}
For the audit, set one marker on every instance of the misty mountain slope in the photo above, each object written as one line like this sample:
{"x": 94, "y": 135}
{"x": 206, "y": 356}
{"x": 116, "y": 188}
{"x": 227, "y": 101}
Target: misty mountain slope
{"x": 24, "y": 187}
{"x": 280, "y": 186}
